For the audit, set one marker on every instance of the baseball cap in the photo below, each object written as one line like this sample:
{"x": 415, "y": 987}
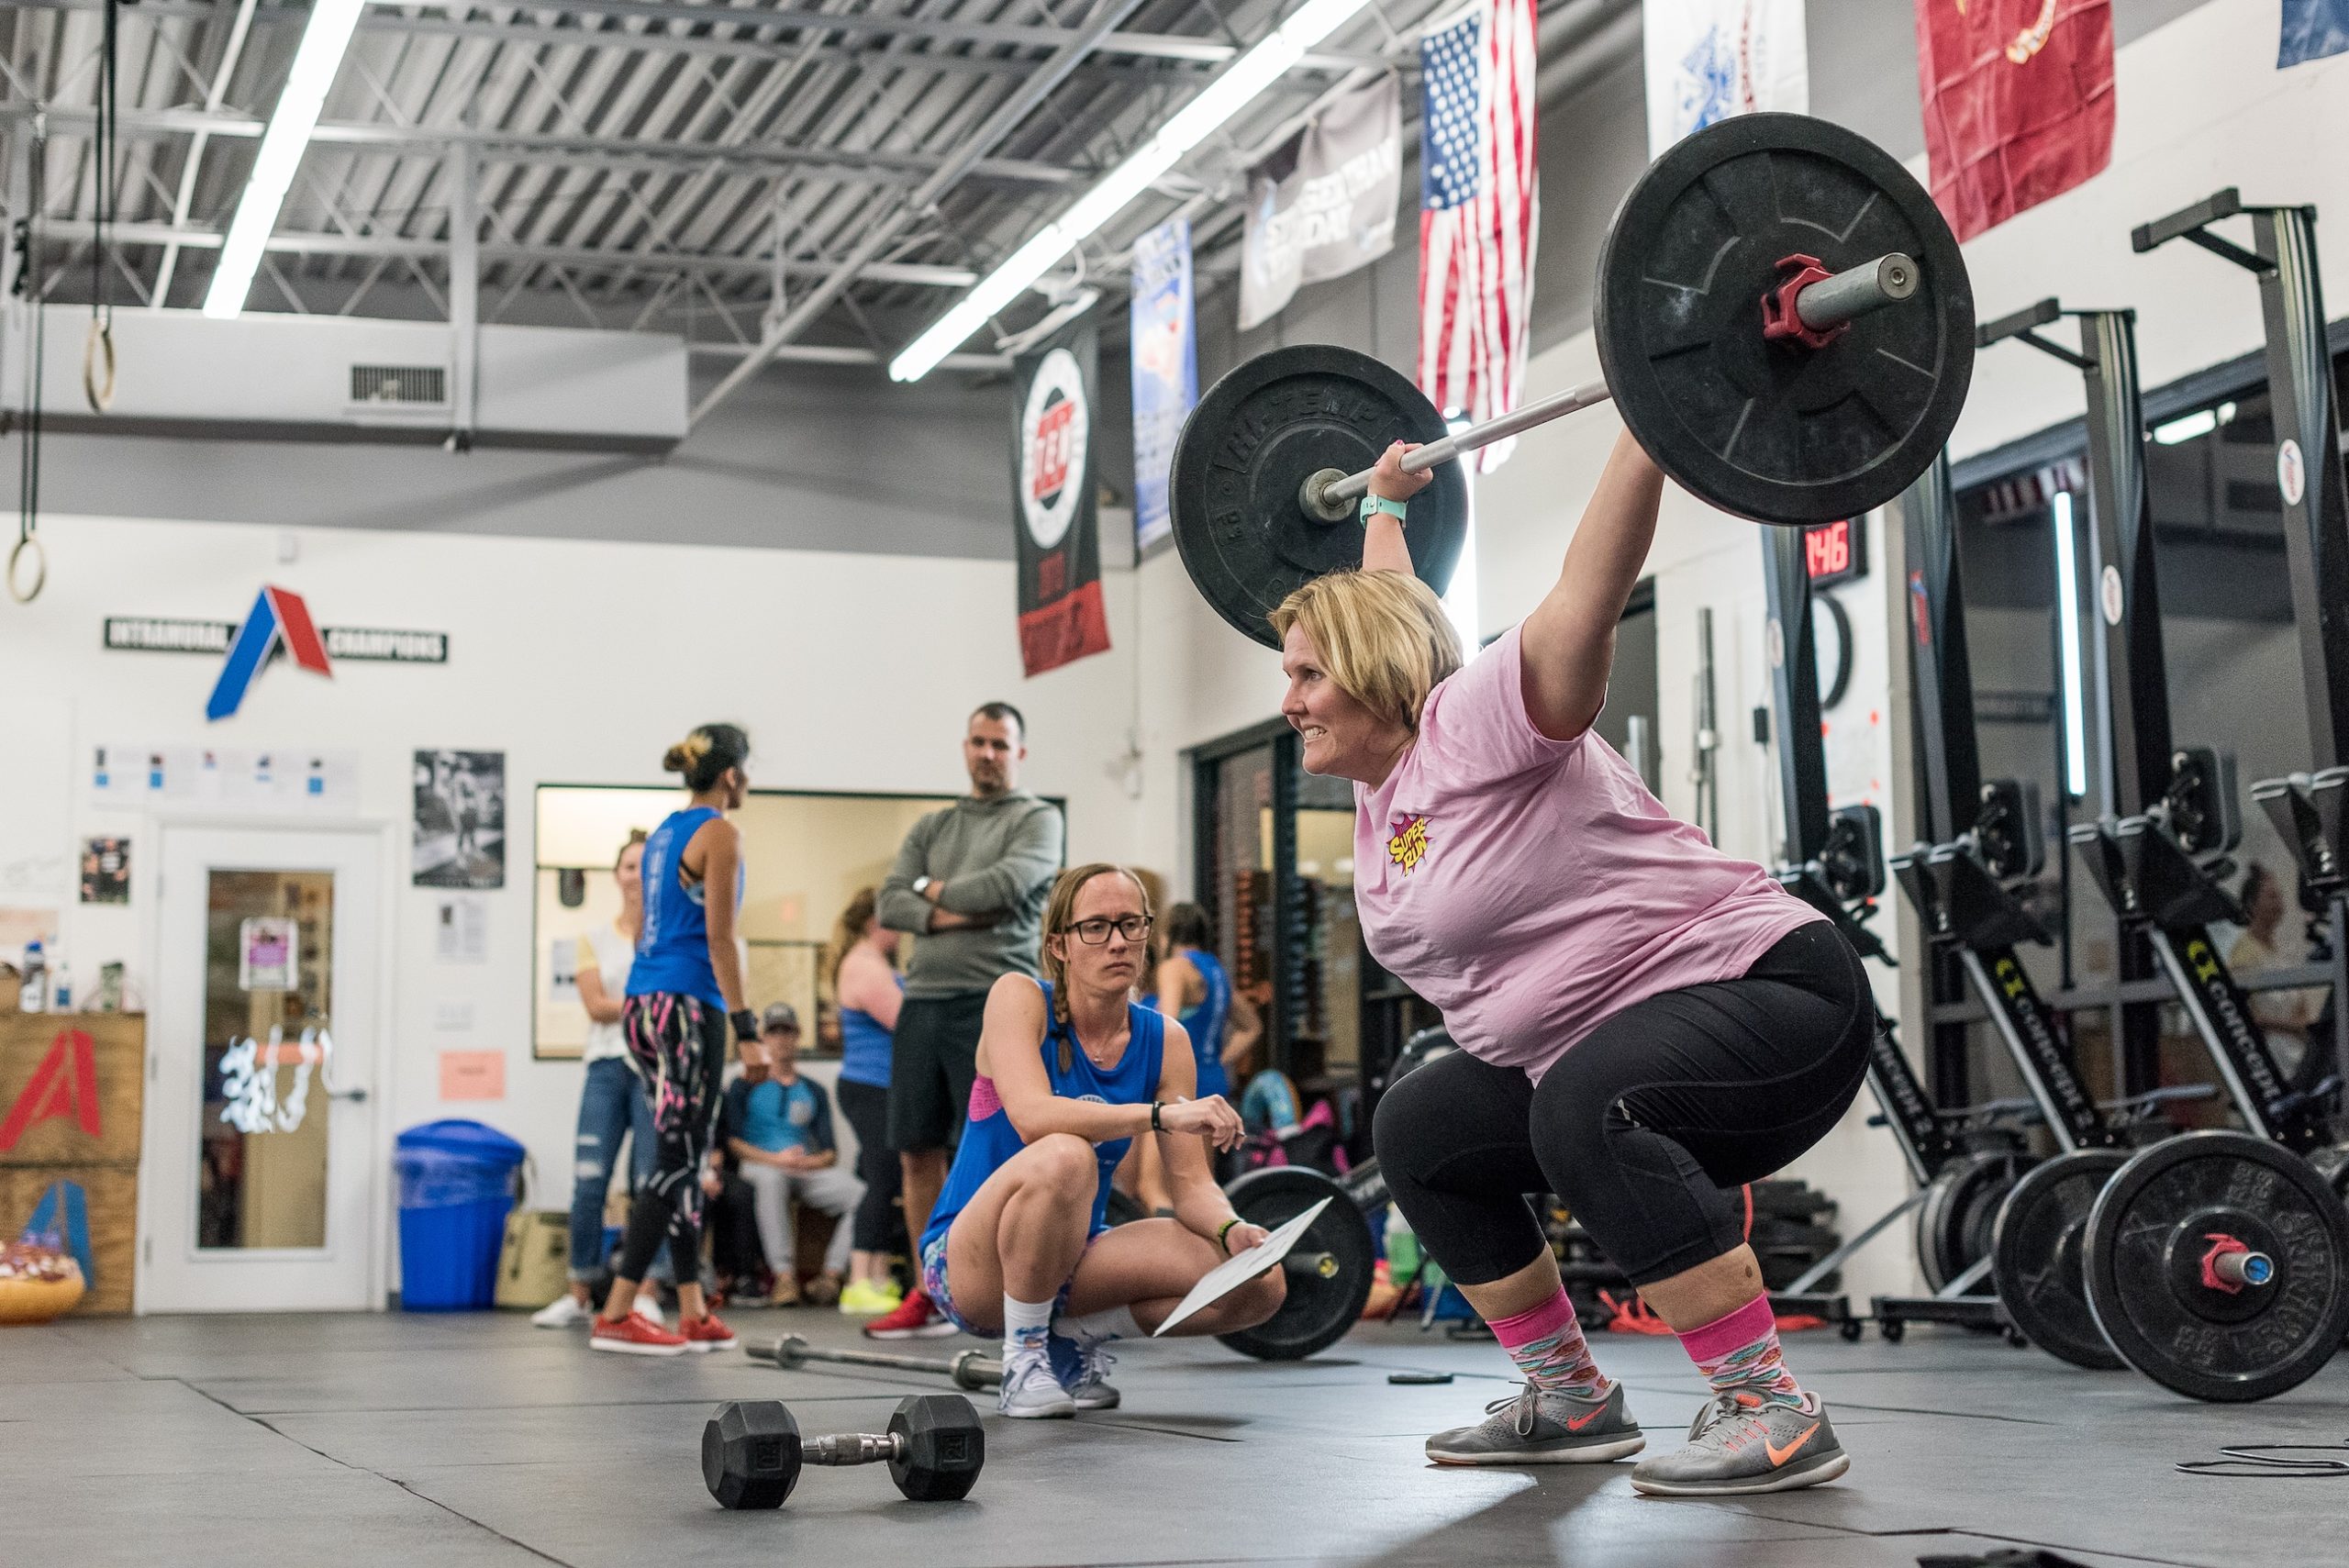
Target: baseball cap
{"x": 779, "y": 1015}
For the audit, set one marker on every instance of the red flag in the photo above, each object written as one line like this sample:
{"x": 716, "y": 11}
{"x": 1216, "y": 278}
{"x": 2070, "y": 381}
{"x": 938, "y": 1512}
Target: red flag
{"x": 2018, "y": 97}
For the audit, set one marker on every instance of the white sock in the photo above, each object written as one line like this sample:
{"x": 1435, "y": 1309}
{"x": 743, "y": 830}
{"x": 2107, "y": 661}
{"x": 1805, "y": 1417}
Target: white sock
{"x": 1109, "y": 1323}
{"x": 1025, "y": 1325}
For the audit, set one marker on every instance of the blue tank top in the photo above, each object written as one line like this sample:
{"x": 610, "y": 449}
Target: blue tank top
{"x": 866, "y": 1046}
{"x": 989, "y": 1139}
{"x": 672, "y": 948}
{"x": 1204, "y": 1023}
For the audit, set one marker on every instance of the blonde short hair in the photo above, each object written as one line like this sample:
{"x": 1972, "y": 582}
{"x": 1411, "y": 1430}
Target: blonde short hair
{"x": 1383, "y": 635}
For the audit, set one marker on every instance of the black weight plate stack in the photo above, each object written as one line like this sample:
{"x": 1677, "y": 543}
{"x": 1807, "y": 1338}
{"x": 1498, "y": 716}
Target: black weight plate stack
{"x": 1247, "y": 450}
{"x": 1961, "y": 1210}
{"x": 2036, "y": 1256}
{"x": 2150, "y": 1240}
{"x": 1777, "y": 432}
{"x": 1319, "y": 1309}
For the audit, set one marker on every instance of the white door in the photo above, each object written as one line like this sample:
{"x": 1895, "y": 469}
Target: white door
{"x": 261, "y": 1154}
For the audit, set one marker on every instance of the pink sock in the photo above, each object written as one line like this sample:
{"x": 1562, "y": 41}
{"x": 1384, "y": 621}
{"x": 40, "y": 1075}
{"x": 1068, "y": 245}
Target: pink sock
{"x": 1547, "y": 1345}
{"x": 1739, "y": 1354}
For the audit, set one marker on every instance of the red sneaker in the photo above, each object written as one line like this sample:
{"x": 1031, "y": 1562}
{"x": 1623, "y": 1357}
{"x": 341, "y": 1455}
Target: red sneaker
{"x": 916, "y": 1317}
{"x": 635, "y": 1336}
{"x": 706, "y": 1332}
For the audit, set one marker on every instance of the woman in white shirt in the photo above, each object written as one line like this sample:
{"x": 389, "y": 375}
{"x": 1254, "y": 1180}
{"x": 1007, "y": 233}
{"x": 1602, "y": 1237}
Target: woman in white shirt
{"x": 612, "y": 1103}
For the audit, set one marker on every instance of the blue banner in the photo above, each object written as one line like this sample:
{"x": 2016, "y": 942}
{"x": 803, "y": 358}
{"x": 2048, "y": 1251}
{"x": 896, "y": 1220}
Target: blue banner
{"x": 2312, "y": 30}
{"x": 1166, "y": 368}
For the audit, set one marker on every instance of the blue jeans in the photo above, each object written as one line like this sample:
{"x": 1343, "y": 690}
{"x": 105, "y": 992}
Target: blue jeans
{"x": 612, "y": 1103}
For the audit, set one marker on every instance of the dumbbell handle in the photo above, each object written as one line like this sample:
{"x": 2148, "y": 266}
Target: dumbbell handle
{"x": 1825, "y": 305}
{"x": 852, "y": 1448}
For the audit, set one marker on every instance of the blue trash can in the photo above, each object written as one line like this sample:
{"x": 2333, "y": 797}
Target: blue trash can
{"x": 456, "y": 1180}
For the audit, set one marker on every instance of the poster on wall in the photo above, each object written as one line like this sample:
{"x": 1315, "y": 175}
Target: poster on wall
{"x": 1707, "y": 59}
{"x": 1062, "y": 618}
{"x": 259, "y": 781}
{"x": 460, "y": 930}
{"x": 106, "y": 870}
{"x": 1165, "y": 369}
{"x": 458, "y": 834}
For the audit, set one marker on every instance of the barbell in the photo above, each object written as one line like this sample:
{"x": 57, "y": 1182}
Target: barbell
{"x": 1783, "y": 320}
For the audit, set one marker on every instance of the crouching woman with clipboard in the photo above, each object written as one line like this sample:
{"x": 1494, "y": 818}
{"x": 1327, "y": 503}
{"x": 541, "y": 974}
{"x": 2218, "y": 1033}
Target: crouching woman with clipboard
{"x": 1070, "y": 1071}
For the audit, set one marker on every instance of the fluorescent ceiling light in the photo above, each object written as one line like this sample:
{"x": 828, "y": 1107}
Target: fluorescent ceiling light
{"x": 2199, "y": 423}
{"x": 324, "y": 41}
{"x": 2067, "y": 623}
{"x": 1191, "y": 125}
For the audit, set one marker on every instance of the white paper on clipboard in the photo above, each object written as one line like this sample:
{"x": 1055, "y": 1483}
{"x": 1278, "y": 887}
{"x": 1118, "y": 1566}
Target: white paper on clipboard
{"x": 1232, "y": 1273}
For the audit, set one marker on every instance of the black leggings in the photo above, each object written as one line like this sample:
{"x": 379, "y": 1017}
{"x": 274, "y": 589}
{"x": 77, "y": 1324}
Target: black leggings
{"x": 866, "y": 1105}
{"x": 679, "y": 1043}
{"x": 1640, "y": 1124}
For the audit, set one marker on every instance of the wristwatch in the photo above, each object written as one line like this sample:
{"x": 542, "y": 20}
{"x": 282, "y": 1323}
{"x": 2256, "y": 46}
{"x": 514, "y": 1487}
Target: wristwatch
{"x": 1373, "y": 505}
{"x": 922, "y": 884}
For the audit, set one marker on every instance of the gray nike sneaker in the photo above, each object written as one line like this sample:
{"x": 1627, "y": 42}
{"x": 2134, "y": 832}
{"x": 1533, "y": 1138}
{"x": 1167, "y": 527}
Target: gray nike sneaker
{"x": 1737, "y": 1443}
{"x": 1530, "y": 1426}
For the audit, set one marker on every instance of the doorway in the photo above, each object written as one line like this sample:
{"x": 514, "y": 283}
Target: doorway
{"x": 261, "y": 1147}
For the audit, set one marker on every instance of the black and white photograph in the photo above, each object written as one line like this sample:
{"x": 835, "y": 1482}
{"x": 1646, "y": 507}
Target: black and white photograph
{"x": 460, "y": 822}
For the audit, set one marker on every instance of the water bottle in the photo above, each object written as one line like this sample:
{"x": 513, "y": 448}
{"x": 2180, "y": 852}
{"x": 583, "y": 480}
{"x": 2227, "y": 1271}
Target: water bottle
{"x": 61, "y": 984}
{"x": 33, "y": 996}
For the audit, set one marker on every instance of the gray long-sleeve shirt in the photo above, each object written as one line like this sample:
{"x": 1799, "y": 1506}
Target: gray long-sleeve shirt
{"x": 999, "y": 853}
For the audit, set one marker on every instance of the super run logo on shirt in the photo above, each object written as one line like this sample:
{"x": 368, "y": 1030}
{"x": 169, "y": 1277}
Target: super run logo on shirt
{"x": 1407, "y": 843}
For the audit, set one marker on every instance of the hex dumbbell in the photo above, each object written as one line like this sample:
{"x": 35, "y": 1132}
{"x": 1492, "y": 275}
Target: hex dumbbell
{"x": 751, "y": 1451}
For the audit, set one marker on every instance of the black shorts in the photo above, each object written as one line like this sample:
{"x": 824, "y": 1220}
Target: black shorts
{"x": 933, "y": 1060}
{"x": 1642, "y": 1124}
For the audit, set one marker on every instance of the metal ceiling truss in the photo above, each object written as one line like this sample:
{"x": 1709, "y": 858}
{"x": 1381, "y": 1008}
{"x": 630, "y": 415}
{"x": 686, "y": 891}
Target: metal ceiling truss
{"x": 816, "y": 169}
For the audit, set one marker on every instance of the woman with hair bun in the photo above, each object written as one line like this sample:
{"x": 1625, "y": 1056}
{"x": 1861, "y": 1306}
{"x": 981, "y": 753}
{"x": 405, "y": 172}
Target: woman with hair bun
{"x": 685, "y": 986}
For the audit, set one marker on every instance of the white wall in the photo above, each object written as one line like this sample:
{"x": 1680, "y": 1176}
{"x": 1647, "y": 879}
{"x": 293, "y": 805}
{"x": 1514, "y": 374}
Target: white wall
{"x": 581, "y": 662}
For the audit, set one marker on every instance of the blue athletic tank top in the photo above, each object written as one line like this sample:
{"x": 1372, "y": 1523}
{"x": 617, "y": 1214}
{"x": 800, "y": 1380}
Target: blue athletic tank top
{"x": 989, "y": 1139}
{"x": 866, "y": 1046}
{"x": 672, "y": 948}
{"x": 1204, "y": 1023}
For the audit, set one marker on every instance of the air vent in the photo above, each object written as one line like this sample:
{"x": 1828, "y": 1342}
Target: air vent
{"x": 399, "y": 385}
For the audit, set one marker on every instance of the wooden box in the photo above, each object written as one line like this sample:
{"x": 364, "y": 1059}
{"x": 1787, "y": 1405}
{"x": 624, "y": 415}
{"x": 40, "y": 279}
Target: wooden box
{"x": 110, "y": 1197}
{"x": 63, "y": 1075}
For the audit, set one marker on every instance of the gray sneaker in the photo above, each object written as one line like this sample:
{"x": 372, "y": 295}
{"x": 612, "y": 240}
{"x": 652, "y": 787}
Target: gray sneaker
{"x": 1083, "y": 1368}
{"x": 1530, "y": 1426}
{"x": 1030, "y": 1392}
{"x": 1737, "y": 1447}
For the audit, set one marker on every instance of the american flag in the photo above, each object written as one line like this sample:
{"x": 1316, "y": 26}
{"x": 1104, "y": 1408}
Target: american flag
{"x": 1480, "y": 210}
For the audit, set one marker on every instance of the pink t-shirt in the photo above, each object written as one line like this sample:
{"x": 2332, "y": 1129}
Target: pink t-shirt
{"x": 1532, "y": 888}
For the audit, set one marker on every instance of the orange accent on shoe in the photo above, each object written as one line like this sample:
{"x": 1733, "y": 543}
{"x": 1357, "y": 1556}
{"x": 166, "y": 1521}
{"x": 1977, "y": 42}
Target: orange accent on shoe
{"x": 1779, "y": 1456}
{"x": 1578, "y": 1426}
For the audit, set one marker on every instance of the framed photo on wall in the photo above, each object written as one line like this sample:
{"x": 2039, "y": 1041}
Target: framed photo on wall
{"x": 458, "y": 828}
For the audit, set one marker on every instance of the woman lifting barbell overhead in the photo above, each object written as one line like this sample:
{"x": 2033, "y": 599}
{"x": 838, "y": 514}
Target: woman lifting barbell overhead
{"x": 1070, "y": 1069}
{"x": 1644, "y": 1021}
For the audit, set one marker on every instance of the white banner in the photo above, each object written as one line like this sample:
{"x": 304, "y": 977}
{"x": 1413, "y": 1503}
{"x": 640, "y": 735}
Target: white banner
{"x": 1326, "y": 204}
{"x": 1707, "y": 59}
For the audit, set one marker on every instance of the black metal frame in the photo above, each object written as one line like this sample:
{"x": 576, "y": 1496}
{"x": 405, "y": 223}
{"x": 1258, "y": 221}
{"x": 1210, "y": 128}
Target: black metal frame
{"x": 2162, "y": 886}
{"x": 2310, "y": 811}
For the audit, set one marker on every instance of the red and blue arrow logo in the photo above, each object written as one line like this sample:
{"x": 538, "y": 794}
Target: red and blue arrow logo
{"x": 277, "y": 619}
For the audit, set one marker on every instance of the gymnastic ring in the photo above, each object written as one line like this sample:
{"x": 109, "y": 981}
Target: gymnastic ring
{"x": 100, "y": 341}
{"x": 41, "y": 570}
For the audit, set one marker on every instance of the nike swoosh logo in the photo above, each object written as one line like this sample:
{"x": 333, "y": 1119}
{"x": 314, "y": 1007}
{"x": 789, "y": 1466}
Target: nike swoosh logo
{"x": 1778, "y": 1455}
{"x": 1578, "y": 1426}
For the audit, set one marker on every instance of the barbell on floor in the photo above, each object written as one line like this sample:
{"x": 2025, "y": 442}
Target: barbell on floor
{"x": 1784, "y": 322}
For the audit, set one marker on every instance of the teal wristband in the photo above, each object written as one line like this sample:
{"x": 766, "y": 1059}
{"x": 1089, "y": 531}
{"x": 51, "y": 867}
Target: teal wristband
{"x": 1373, "y": 505}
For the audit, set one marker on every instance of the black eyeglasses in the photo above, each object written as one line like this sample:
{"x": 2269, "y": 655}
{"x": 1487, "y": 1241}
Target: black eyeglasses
{"x": 1093, "y": 933}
